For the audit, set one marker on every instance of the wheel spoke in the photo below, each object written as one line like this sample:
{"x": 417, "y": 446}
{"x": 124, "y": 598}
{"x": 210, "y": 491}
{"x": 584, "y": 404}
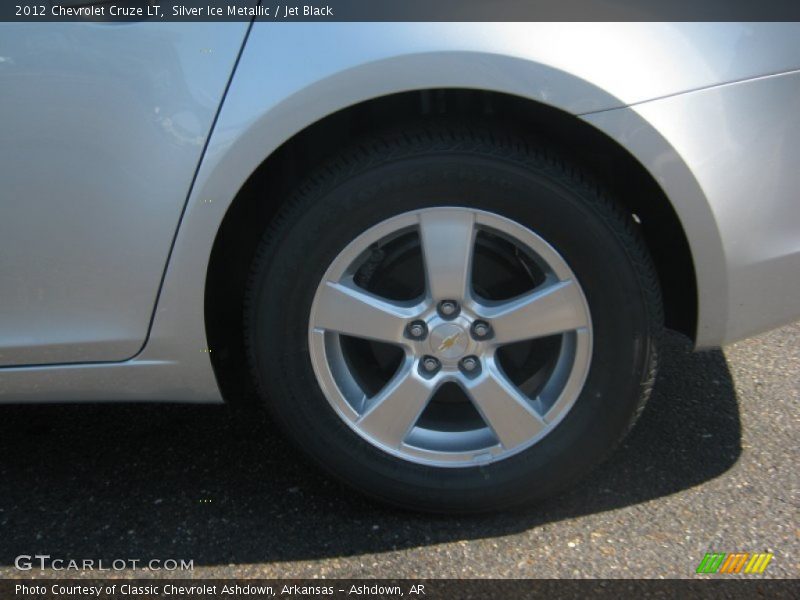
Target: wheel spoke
{"x": 395, "y": 409}
{"x": 348, "y": 310}
{"x": 448, "y": 238}
{"x": 555, "y": 309}
{"x": 437, "y": 346}
{"x": 504, "y": 408}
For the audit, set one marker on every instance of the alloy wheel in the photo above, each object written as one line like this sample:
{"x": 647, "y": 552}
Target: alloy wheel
{"x": 450, "y": 336}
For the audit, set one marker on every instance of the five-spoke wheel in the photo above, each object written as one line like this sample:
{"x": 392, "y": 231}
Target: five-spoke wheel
{"x": 452, "y": 320}
{"x": 451, "y": 333}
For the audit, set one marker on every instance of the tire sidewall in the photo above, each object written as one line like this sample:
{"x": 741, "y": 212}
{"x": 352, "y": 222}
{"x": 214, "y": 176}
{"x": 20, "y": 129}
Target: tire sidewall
{"x": 538, "y": 195}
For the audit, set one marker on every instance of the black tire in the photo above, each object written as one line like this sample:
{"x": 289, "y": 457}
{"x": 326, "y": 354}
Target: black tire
{"x": 443, "y": 165}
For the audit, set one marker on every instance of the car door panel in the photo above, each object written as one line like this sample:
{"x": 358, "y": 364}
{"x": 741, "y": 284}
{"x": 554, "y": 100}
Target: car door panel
{"x": 102, "y": 127}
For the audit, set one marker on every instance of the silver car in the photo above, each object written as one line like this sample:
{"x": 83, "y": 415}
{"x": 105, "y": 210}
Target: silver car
{"x": 441, "y": 254}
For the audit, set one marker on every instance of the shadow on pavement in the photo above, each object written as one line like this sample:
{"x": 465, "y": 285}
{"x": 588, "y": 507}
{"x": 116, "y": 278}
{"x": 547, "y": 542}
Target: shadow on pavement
{"x": 219, "y": 486}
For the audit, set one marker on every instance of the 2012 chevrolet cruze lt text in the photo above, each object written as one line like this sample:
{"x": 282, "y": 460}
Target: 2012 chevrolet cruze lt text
{"x": 441, "y": 254}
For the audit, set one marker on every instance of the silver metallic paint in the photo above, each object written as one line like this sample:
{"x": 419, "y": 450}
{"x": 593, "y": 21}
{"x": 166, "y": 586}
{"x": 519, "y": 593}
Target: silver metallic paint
{"x": 743, "y": 144}
{"x": 103, "y": 127}
{"x": 293, "y": 74}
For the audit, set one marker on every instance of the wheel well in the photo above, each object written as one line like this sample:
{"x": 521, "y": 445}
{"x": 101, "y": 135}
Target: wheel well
{"x": 260, "y": 198}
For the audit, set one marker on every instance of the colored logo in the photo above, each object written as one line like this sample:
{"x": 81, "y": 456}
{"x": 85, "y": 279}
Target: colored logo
{"x": 449, "y": 342}
{"x": 737, "y": 562}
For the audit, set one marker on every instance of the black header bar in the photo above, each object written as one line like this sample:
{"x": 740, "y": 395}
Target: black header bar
{"x": 398, "y": 10}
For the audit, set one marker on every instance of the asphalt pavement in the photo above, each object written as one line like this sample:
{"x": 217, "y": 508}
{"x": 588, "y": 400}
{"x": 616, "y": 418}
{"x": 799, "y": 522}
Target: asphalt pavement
{"x": 712, "y": 466}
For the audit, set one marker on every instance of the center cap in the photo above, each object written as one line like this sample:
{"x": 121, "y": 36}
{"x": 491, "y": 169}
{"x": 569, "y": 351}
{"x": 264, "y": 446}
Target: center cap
{"x": 449, "y": 341}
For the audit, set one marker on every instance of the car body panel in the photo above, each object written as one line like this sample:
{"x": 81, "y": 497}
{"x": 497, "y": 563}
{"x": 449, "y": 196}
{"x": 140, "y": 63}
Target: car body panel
{"x": 742, "y": 143}
{"x": 103, "y": 126}
{"x": 276, "y": 94}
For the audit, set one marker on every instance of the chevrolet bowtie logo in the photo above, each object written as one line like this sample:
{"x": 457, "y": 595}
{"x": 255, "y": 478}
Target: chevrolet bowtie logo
{"x": 449, "y": 342}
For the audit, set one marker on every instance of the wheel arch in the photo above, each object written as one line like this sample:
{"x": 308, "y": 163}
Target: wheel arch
{"x": 259, "y": 199}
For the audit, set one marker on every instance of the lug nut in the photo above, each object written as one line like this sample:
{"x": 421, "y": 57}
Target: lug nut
{"x": 430, "y": 364}
{"x": 469, "y": 364}
{"x": 481, "y": 330}
{"x": 448, "y": 308}
{"x": 417, "y": 330}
